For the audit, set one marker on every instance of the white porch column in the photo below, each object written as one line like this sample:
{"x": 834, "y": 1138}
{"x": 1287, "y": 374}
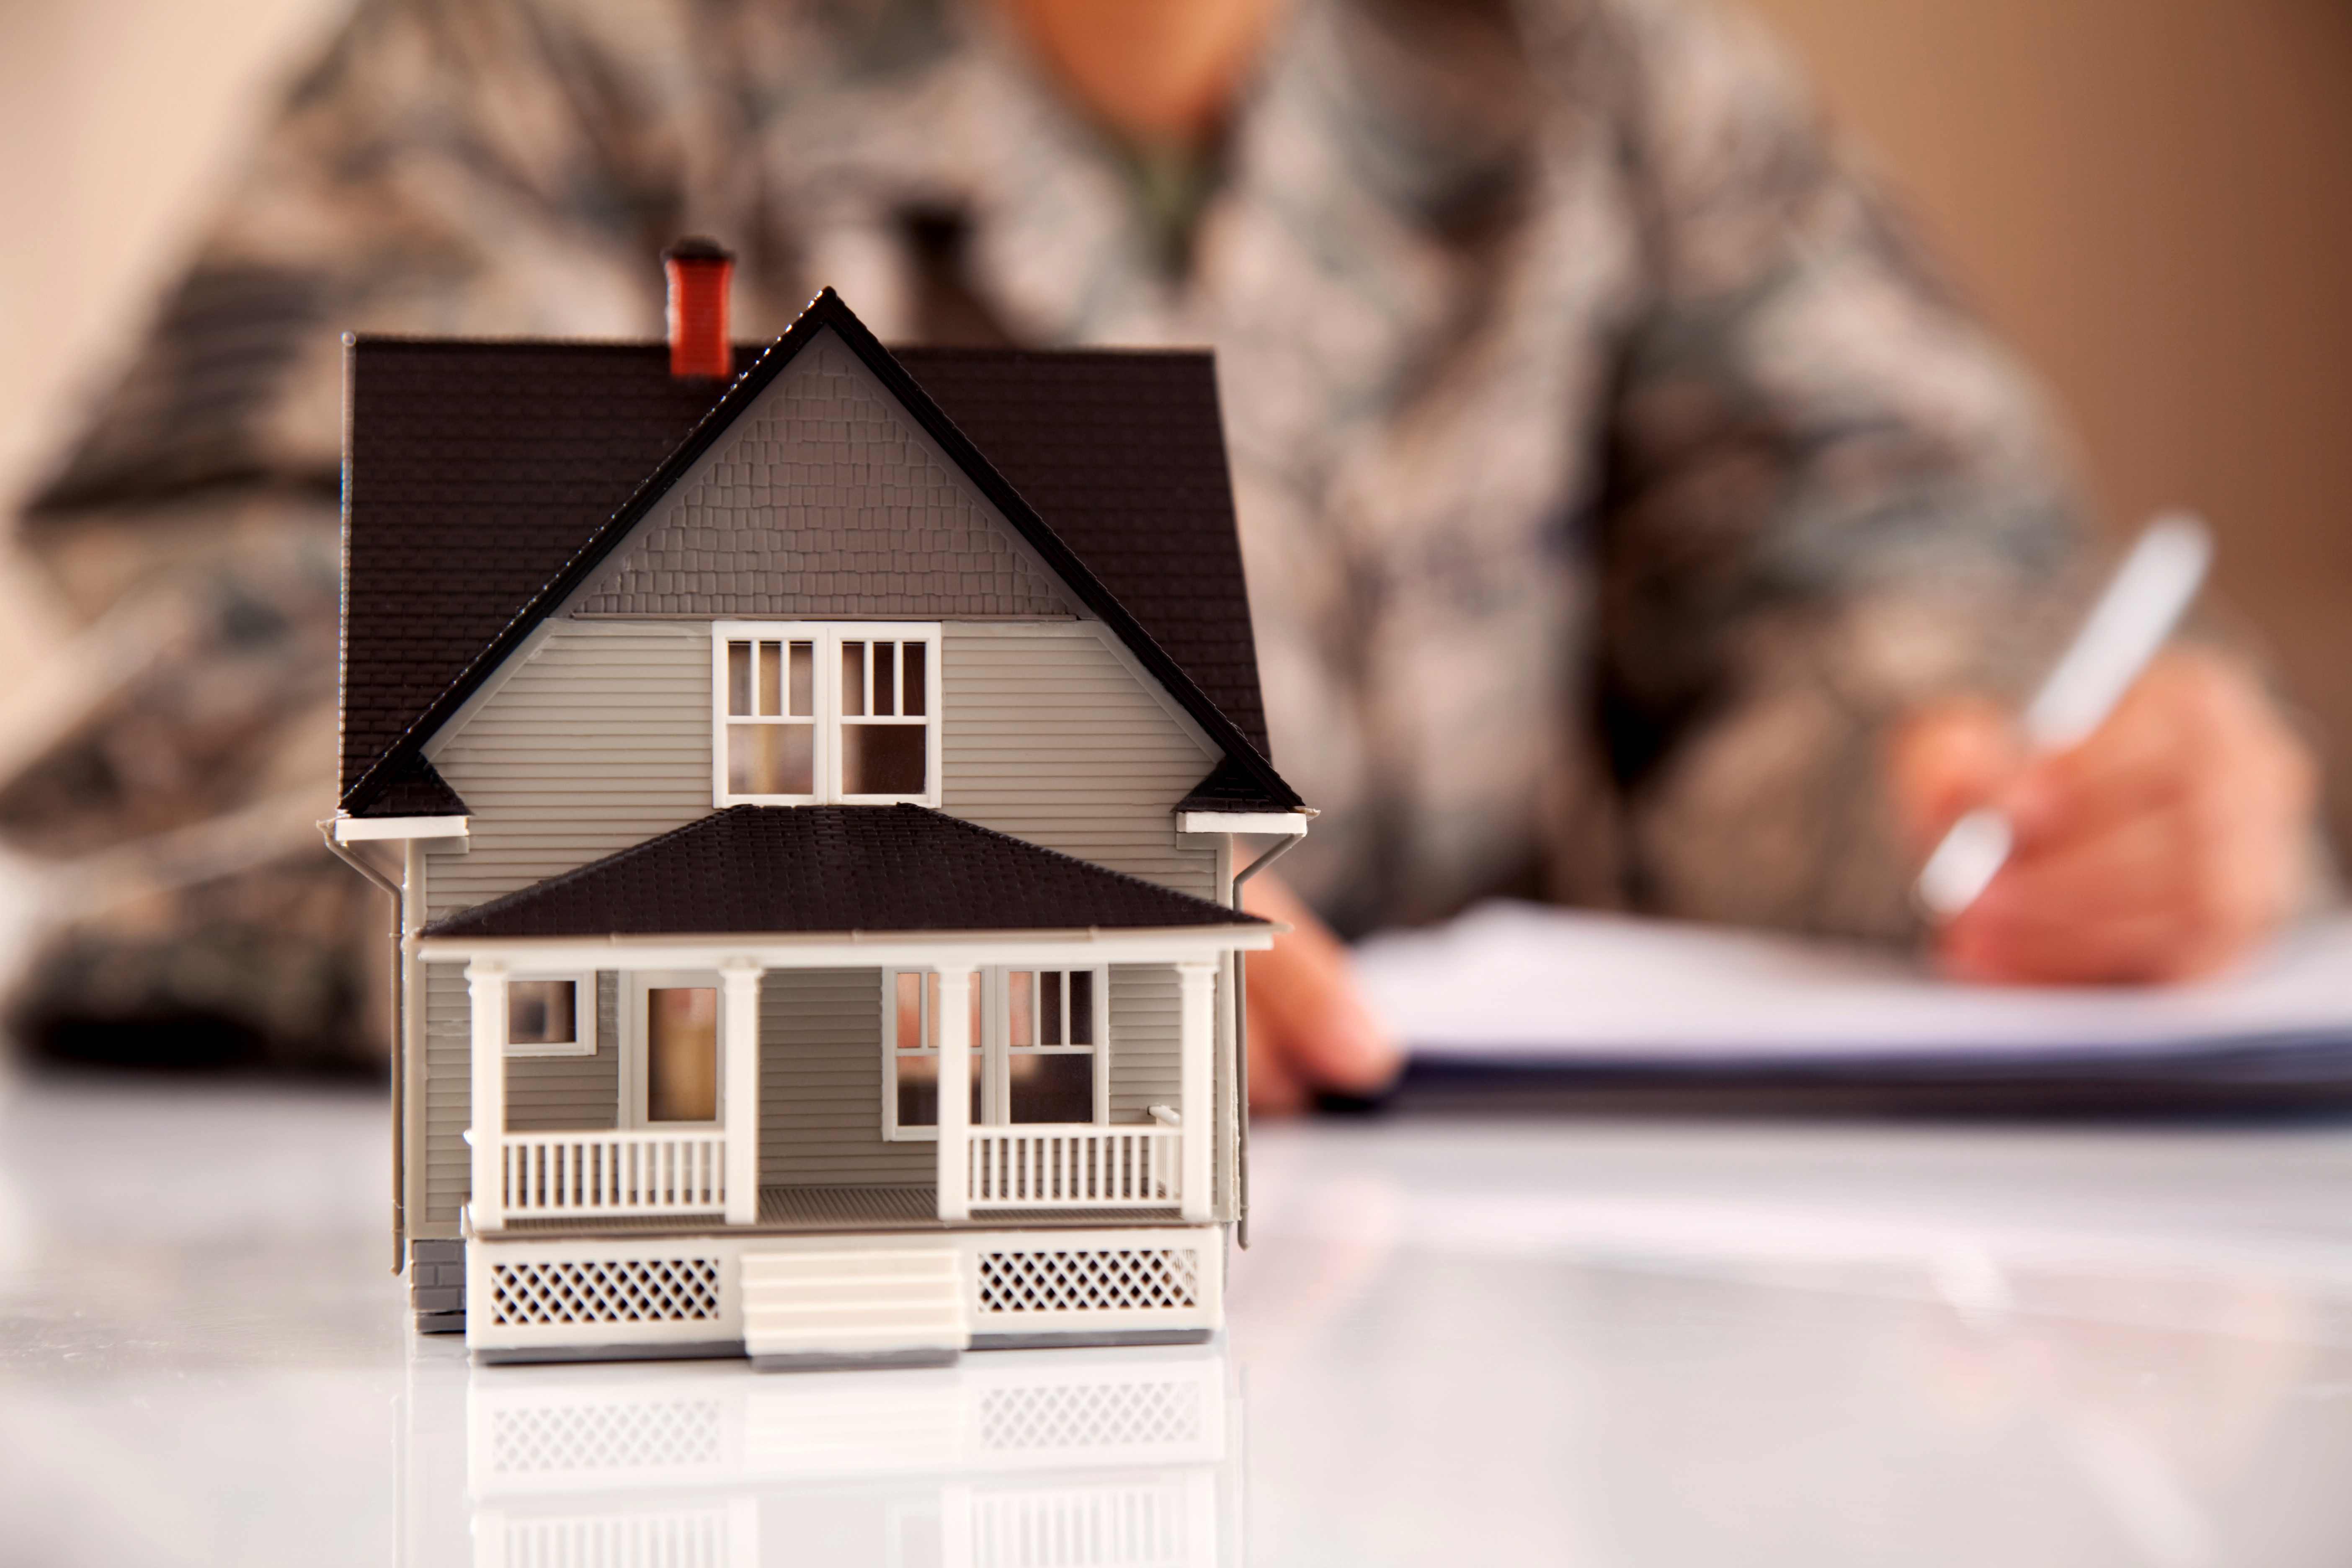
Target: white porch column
{"x": 740, "y": 1012}
{"x": 486, "y": 991}
{"x": 954, "y": 1024}
{"x": 1197, "y": 1039}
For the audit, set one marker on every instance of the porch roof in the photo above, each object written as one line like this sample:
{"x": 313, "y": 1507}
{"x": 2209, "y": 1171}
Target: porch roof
{"x": 832, "y": 868}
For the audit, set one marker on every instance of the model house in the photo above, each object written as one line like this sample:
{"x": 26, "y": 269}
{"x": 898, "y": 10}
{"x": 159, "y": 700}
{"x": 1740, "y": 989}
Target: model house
{"x": 809, "y": 777}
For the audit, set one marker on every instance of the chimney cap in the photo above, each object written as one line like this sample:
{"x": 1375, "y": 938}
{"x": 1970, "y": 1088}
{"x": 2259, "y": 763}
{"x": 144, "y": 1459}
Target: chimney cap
{"x": 698, "y": 248}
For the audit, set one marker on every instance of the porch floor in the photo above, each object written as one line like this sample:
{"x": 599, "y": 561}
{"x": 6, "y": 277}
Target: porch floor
{"x": 802, "y": 1210}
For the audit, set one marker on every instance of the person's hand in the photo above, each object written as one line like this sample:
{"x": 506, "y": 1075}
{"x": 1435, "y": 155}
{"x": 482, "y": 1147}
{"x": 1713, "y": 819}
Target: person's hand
{"x": 2159, "y": 849}
{"x": 1310, "y": 1029}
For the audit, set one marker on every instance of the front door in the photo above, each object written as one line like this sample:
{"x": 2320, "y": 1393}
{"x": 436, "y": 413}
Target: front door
{"x": 673, "y": 1061}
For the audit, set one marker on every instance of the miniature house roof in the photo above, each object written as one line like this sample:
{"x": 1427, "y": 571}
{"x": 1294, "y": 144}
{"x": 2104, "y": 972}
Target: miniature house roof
{"x": 870, "y": 868}
{"x": 490, "y": 484}
{"x": 416, "y": 789}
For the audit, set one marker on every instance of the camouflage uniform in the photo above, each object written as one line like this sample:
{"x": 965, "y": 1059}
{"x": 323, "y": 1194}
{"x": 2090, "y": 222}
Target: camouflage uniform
{"x": 1610, "y": 464}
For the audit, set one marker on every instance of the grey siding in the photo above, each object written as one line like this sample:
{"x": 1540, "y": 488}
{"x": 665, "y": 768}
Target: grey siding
{"x": 821, "y": 1084}
{"x": 448, "y": 1095}
{"x": 547, "y": 1094}
{"x": 824, "y": 501}
{"x": 1051, "y": 738}
{"x": 1147, "y": 1026}
{"x": 543, "y": 1093}
{"x": 602, "y": 740}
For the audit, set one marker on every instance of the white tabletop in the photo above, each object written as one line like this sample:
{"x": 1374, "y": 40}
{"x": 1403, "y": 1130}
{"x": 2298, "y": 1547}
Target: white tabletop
{"x": 1452, "y": 1341}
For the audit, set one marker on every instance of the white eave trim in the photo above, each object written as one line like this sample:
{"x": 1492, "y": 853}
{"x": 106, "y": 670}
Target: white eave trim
{"x": 1289, "y": 823}
{"x": 856, "y": 950}
{"x": 356, "y": 829}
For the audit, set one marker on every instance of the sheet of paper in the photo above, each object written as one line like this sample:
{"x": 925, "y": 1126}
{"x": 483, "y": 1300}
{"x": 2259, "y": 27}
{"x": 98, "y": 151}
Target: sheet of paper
{"x": 1529, "y": 983}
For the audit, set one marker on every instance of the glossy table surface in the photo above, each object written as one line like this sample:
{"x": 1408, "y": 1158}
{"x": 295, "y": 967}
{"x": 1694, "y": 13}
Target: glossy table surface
{"x": 1456, "y": 1341}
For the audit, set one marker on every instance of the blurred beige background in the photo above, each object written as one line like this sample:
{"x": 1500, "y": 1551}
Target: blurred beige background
{"x": 2153, "y": 198}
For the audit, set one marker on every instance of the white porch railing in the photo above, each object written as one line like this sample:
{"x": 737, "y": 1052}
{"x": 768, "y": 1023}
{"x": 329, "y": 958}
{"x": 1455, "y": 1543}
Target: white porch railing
{"x": 568, "y": 1174}
{"x": 1053, "y": 1166}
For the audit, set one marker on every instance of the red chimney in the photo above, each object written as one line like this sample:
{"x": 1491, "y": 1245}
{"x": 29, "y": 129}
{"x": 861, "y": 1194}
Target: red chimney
{"x": 699, "y": 270}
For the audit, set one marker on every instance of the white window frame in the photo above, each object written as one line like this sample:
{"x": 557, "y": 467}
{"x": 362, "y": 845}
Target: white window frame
{"x": 583, "y": 1015}
{"x": 993, "y": 987}
{"x": 828, "y": 638}
{"x": 635, "y": 984}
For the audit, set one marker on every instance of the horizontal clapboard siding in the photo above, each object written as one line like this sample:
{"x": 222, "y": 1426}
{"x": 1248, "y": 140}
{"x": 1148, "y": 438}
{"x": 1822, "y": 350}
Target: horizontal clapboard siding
{"x": 821, "y": 1084}
{"x": 1147, "y": 1026}
{"x": 549, "y": 1094}
{"x": 1050, "y": 738}
{"x": 448, "y": 1096}
{"x": 602, "y": 740}
{"x": 543, "y": 1093}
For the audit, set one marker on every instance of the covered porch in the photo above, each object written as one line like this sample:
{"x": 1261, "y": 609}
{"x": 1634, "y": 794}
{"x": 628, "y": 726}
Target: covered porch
{"x": 1002, "y": 1171}
{"x": 1012, "y": 972}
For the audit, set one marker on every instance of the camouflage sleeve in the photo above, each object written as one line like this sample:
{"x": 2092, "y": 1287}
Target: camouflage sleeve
{"x": 449, "y": 166}
{"x": 1830, "y": 496}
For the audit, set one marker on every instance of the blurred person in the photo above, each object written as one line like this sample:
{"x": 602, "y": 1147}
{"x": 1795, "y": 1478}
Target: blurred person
{"x": 1633, "y": 515}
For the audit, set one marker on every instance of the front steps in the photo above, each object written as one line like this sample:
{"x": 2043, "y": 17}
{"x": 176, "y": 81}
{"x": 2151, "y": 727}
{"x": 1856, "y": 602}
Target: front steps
{"x": 806, "y": 1309}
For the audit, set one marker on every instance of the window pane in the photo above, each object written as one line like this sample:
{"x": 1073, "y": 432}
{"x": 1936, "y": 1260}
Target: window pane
{"x": 771, "y": 759}
{"x": 541, "y": 1013}
{"x": 852, "y": 679}
{"x": 886, "y": 665}
{"x": 910, "y": 1003}
{"x": 1049, "y": 1008}
{"x": 771, "y": 677}
{"x": 1082, "y": 1007}
{"x": 803, "y": 692}
{"x": 882, "y": 759}
{"x": 911, "y": 690}
{"x": 1056, "y": 1087}
{"x": 738, "y": 677}
{"x": 1022, "y": 1020}
{"x": 919, "y": 1091}
{"x": 682, "y": 1053}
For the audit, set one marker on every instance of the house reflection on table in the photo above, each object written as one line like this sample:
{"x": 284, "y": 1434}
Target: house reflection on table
{"x": 1065, "y": 1457}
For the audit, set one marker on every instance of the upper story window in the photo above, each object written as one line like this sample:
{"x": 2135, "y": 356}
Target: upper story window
{"x": 825, "y": 712}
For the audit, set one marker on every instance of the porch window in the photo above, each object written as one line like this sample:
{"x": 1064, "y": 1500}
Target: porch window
{"x": 810, "y": 712}
{"x": 551, "y": 1016}
{"x": 1038, "y": 1048}
{"x": 1049, "y": 1045}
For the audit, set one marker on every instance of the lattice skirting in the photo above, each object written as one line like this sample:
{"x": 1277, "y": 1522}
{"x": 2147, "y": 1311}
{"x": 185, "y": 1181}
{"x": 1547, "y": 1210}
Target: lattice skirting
{"x": 1145, "y": 1278}
{"x": 686, "y": 1290}
{"x": 588, "y": 1294}
{"x": 606, "y": 1290}
{"x": 1096, "y": 1281}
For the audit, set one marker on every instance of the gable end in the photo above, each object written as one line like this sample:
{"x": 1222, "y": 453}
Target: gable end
{"x": 826, "y": 311}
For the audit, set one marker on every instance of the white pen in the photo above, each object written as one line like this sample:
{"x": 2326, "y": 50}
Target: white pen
{"x": 2143, "y": 601}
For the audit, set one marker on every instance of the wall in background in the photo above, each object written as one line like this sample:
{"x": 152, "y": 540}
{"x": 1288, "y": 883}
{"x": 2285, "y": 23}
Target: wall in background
{"x": 2153, "y": 200}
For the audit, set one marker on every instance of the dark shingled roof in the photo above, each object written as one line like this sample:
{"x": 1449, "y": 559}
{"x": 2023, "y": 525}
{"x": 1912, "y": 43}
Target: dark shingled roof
{"x": 417, "y": 790}
{"x": 487, "y": 478}
{"x": 814, "y": 869}
{"x": 1123, "y": 453}
{"x": 476, "y": 470}
{"x": 1231, "y": 788}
